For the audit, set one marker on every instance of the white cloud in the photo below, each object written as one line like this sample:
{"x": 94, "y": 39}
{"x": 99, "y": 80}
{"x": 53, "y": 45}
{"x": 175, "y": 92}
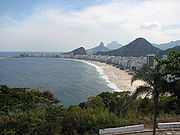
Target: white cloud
{"x": 150, "y": 26}
{"x": 53, "y": 30}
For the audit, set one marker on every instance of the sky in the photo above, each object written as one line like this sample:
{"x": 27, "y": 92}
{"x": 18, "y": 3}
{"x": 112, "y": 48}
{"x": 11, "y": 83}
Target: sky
{"x": 63, "y": 25}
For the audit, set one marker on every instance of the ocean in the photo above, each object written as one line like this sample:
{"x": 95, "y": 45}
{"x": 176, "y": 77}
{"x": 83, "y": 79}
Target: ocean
{"x": 71, "y": 81}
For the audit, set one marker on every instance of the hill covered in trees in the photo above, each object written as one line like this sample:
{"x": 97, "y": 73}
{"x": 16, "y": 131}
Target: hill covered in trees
{"x": 78, "y": 51}
{"x": 138, "y": 47}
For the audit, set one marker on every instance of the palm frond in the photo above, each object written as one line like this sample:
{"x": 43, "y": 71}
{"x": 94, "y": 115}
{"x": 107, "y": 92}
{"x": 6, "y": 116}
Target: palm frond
{"x": 147, "y": 95}
{"x": 141, "y": 90}
{"x": 145, "y": 74}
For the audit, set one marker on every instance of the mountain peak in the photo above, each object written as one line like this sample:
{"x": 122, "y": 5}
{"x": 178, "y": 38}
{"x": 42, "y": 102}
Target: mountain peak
{"x": 79, "y": 51}
{"x": 140, "y": 39}
{"x": 100, "y": 48}
{"x": 138, "y": 47}
{"x": 114, "y": 42}
{"x": 114, "y": 45}
{"x": 141, "y": 42}
{"x": 101, "y": 44}
{"x": 170, "y": 44}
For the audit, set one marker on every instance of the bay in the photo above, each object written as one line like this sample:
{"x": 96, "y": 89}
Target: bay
{"x": 70, "y": 81}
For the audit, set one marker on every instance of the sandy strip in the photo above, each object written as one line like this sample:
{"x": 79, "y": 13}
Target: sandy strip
{"x": 119, "y": 77}
{"x": 119, "y": 80}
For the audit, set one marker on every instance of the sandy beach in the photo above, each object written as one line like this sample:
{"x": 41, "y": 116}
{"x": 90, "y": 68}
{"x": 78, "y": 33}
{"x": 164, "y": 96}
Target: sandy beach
{"x": 121, "y": 78}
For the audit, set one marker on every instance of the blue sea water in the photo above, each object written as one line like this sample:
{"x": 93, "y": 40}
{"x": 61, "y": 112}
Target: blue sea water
{"x": 70, "y": 81}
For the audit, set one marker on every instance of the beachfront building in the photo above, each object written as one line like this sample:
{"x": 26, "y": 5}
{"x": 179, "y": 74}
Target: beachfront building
{"x": 134, "y": 63}
{"x": 127, "y": 62}
{"x": 150, "y": 59}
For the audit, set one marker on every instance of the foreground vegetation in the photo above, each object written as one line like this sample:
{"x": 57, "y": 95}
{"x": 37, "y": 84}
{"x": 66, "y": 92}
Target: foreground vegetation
{"x": 31, "y": 111}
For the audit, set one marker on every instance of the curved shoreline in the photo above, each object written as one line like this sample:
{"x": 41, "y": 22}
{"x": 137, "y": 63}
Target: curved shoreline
{"x": 101, "y": 73}
{"x": 117, "y": 79}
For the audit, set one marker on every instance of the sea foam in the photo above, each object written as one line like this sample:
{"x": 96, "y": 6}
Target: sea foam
{"x": 101, "y": 73}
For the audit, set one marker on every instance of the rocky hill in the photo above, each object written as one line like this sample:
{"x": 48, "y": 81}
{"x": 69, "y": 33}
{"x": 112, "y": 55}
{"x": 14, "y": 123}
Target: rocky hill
{"x": 161, "y": 53}
{"x": 138, "y": 47}
{"x": 78, "y": 51}
{"x": 114, "y": 45}
{"x": 167, "y": 45}
{"x": 100, "y": 48}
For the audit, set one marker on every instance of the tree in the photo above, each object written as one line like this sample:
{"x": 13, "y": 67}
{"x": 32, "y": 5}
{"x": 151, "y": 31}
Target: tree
{"x": 116, "y": 101}
{"x": 15, "y": 100}
{"x": 77, "y": 120}
{"x": 153, "y": 85}
{"x": 156, "y": 81}
{"x": 170, "y": 70}
{"x": 29, "y": 111}
{"x": 93, "y": 102}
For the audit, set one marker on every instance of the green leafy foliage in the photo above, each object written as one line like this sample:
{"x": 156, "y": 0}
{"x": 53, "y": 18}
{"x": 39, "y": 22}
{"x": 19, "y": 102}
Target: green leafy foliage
{"x": 44, "y": 117}
{"x": 169, "y": 104}
{"x": 25, "y": 111}
{"x": 170, "y": 70}
{"x": 158, "y": 82}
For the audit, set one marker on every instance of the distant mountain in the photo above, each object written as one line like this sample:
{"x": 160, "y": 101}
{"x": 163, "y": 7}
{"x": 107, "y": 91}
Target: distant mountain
{"x": 167, "y": 45}
{"x": 78, "y": 51}
{"x": 100, "y": 48}
{"x": 161, "y": 53}
{"x": 138, "y": 47}
{"x": 114, "y": 45}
